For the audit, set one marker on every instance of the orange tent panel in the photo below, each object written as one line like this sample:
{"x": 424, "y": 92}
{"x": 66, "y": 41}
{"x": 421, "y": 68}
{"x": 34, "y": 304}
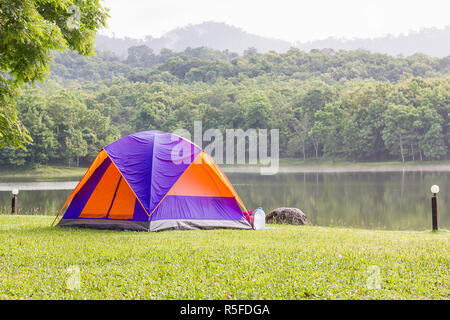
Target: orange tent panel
{"x": 124, "y": 202}
{"x": 101, "y": 156}
{"x": 200, "y": 180}
{"x": 103, "y": 194}
{"x": 225, "y": 180}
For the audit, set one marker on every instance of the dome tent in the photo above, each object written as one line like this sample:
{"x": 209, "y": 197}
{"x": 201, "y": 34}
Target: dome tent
{"x": 153, "y": 181}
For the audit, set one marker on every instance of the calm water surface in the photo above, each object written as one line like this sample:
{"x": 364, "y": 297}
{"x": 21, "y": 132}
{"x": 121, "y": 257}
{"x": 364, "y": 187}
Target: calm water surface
{"x": 375, "y": 200}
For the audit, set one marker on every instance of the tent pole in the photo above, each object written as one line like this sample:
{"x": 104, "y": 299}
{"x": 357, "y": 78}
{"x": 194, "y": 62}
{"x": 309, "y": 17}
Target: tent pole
{"x": 54, "y": 220}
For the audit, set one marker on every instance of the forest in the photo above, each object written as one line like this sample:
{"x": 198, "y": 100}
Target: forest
{"x": 350, "y": 105}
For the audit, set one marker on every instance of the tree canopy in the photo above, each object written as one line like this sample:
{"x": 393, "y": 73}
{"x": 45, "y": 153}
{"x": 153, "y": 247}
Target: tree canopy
{"x": 352, "y": 105}
{"x": 30, "y": 30}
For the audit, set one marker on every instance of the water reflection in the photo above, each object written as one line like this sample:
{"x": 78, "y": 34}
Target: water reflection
{"x": 378, "y": 200}
{"x": 382, "y": 200}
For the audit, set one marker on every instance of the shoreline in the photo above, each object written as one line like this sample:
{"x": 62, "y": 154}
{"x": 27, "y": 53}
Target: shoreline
{"x": 342, "y": 169}
{"x": 61, "y": 172}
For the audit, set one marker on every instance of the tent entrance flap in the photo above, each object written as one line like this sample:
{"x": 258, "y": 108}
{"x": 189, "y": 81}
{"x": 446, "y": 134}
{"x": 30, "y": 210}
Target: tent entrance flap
{"x": 101, "y": 198}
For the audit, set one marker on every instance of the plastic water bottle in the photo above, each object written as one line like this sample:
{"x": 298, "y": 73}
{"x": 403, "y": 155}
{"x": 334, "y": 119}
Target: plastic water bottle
{"x": 260, "y": 219}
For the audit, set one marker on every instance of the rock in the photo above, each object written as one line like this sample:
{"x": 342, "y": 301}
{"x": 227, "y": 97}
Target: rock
{"x": 287, "y": 215}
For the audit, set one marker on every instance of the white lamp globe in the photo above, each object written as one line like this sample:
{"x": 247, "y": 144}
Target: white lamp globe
{"x": 15, "y": 191}
{"x": 435, "y": 189}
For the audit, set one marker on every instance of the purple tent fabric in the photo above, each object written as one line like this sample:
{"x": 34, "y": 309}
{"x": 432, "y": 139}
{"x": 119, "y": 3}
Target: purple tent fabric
{"x": 171, "y": 157}
{"x": 205, "y": 208}
{"x": 133, "y": 157}
{"x": 151, "y": 163}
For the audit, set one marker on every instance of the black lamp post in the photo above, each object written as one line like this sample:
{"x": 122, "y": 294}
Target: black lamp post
{"x": 14, "y": 207}
{"x": 434, "y": 208}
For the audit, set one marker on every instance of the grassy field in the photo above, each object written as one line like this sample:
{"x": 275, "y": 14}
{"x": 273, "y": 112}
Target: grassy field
{"x": 288, "y": 162}
{"x": 289, "y": 165}
{"x": 43, "y": 172}
{"x": 286, "y": 262}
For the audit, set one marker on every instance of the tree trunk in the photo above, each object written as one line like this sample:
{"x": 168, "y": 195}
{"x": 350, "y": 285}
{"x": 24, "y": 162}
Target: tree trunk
{"x": 401, "y": 149}
{"x": 303, "y": 150}
{"x": 412, "y": 151}
{"x": 316, "y": 146}
{"x": 420, "y": 154}
{"x": 78, "y": 162}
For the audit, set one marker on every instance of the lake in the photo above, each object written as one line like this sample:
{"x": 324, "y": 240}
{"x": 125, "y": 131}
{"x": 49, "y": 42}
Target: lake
{"x": 372, "y": 200}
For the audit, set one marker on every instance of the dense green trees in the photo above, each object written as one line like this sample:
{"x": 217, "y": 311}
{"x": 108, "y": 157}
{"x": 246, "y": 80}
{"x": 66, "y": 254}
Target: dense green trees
{"x": 207, "y": 65}
{"x": 29, "y": 31}
{"x": 340, "y": 105}
{"x": 62, "y": 128}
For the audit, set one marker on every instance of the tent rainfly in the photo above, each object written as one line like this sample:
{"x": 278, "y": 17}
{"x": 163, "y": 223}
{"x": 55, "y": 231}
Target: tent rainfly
{"x": 153, "y": 181}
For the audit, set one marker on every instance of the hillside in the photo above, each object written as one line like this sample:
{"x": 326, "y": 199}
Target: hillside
{"x": 348, "y": 105}
{"x": 433, "y": 42}
{"x": 220, "y": 36}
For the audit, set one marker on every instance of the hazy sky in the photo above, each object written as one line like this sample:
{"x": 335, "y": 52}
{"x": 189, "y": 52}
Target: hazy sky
{"x": 282, "y": 19}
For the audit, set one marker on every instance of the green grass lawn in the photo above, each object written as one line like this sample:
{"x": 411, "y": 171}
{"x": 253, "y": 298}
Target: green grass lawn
{"x": 43, "y": 172}
{"x": 342, "y": 164}
{"x": 287, "y": 162}
{"x": 287, "y": 262}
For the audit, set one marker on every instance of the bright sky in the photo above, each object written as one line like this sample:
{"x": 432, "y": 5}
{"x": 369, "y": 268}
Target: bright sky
{"x": 294, "y": 20}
